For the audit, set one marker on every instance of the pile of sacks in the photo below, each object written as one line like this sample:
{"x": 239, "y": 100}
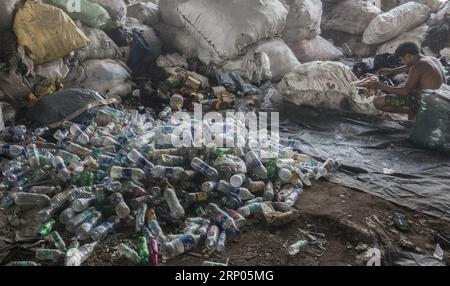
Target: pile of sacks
{"x": 245, "y": 39}
{"x": 362, "y": 28}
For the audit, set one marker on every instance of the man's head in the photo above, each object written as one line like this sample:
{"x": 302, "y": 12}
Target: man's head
{"x": 408, "y": 53}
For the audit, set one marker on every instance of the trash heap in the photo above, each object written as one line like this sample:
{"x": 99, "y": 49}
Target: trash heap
{"x": 123, "y": 168}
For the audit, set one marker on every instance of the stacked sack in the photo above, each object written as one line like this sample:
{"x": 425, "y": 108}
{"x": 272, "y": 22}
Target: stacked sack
{"x": 302, "y": 32}
{"x": 242, "y": 36}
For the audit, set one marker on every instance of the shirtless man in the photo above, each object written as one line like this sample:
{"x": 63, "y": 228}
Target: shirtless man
{"x": 423, "y": 73}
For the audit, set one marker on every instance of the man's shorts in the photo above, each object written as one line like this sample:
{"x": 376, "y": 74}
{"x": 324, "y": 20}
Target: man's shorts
{"x": 409, "y": 103}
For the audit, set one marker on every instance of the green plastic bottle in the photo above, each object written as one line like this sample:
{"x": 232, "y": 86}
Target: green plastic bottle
{"x": 271, "y": 166}
{"x": 143, "y": 249}
{"x": 46, "y": 228}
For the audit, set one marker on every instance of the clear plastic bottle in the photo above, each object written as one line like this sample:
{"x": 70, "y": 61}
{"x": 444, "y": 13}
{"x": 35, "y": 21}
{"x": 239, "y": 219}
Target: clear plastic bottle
{"x": 209, "y": 186}
{"x": 53, "y": 255}
{"x": 23, "y": 263}
{"x": 81, "y": 204}
{"x": 326, "y": 167}
{"x": 212, "y": 237}
{"x": 221, "y": 218}
{"x": 250, "y": 209}
{"x": 105, "y": 161}
{"x": 61, "y": 169}
{"x": 141, "y": 214}
{"x": 171, "y": 198}
{"x": 172, "y": 160}
{"x": 255, "y": 165}
{"x": 30, "y": 199}
{"x": 44, "y": 190}
{"x": 269, "y": 192}
{"x": 57, "y": 240}
{"x": 66, "y": 215}
{"x": 154, "y": 227}
{"x": 237, "y": 180}
{"x": 284, "y": 175}
{"x": 292, "y": 198}
{"x": 101, "y": 231}
{"x": 78, "y": 134}
{"x": 127, "y": 173}
{"x": 200, "y": 166}
{"x": 297, "y": 247}
{"x": 76, "y": 149}
{"x": 144, "y": 139}
{"x": 238, "y": 218}
{"x": 77, "y": 220}
{"x": 82, "y": 232}
{"x": 221, "y": 242}
{"x": 121, "y": 208}
{"x": 11, "y": 150}
{"x": 141, "y": 162}
{"x": 76, "y": 256}
{"x": 33, "y": 156}
{"x": 129, "y": 253}
{"x": 165, "y": 114}
{"x": 179, "y": 246}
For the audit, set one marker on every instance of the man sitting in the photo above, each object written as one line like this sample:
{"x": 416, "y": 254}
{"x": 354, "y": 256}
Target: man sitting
{"x": 423, "y": 73}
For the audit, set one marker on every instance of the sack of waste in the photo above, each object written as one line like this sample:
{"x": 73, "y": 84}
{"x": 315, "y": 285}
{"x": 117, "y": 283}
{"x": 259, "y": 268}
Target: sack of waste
{"x": 303, "y": 20}
{"x": 266, "y": 60}
{"x": 432, "y": 126}
{"x": 329, "y": 85}
{"x": 88, "y": 13}
{"x": 146, "y": 13}
{"x": 147, "y": 33}
{"x": 117, "y": 9}
{"x": 7, "y": 8}
{"x": 317, "y": 49}
{"x": 177, "y": 39}
{"x": 389, "y": 25}
{"x": 226, "y": 28}
{"x": 52, "y": 70}
{"x": 53, "y": 110}
{"x": 350, "y": 45}
{"x": 350, "y": 16}
{"x": 416, "y": 35}
{"x": 169, "y": 13}
{"x": 100, "y": 47}
{"x": 108, "y": 77}
{"x": 433, "y": 4}
{"x": 47, "y": 33}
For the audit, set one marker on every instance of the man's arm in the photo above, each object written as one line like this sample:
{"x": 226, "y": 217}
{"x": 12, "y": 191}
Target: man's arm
{"x": 411, "y": 84}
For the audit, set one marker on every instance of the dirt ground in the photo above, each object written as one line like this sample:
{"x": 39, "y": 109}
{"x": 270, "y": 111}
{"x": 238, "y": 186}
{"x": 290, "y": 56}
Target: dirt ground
{"x": 341, "y": 214}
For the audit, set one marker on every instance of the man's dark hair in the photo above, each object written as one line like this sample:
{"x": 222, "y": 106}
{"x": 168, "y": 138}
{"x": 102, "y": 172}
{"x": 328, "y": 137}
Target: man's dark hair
{"x": 407, "y": 48}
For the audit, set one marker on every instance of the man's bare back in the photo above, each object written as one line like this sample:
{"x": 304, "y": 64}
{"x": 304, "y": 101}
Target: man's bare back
{"x": 430, "y": 73}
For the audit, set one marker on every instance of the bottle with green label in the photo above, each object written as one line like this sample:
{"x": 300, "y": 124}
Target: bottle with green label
{"x": 46, "y": 228}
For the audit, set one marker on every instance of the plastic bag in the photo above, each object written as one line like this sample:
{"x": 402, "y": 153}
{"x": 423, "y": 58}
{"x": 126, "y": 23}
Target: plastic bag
{"x": 6, "y": 14}
{"x": 317, "y": 49}
{"x": 416, "y": 35}
{"x": 329, "y": 85}
{"x": 389, "y": 25}
{"x": 146, "y": 13}
{"x": 108, "y": 77}
{"x": 226, "y": 28}
{"x": 303, "y": 20}
{"x": 101, "y": 46}
{"x": 90, "y": 14}
{"x": 169, "y": 13}
{"x": 350, "y": 16}
{"x": 266, "y": 60}
{"x": 52, "y": 110}
{"x": 432, "y": 126}
{"x": 46, "y": 32}
{"x": 116, "y": 8}
{"x": 52, "y": 70}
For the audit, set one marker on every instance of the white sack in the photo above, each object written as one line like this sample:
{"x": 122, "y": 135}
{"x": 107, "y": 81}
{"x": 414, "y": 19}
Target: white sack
{"x": 317, "y": 49}
{"x": 303, "y": 20}
{"x": 416, "y": 35}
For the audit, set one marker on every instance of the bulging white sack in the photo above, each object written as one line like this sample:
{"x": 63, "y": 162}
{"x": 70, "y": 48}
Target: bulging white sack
{"x": 416, "y": 35}
{"x": 303, "y": 20}
{"x": 389, "y": 25}
{"x": 317, "y": 49}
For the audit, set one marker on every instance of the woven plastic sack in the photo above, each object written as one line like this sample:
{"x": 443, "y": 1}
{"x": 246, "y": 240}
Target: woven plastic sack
{"x": 303, "y": 20}
{"x": 317, "y": 49}
{"x": 116, "y": 9}
{"x": 389, "y": 25}
{"x": 46, "y": 32}
{"x": 226, "y": 28}
{"x": 88, "y": 13}
{"x": 416, "y": 35}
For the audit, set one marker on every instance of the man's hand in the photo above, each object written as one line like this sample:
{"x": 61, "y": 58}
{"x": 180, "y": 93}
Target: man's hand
{"x": 372, "y": 84}
{"x": 386, "y": 72}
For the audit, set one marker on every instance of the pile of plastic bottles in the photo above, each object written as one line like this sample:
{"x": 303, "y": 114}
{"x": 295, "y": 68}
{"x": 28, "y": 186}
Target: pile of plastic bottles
{"x": 122, "y": 168}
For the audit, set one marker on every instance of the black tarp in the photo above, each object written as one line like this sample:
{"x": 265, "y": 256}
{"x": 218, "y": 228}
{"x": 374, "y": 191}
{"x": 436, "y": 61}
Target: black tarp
{"x": 366, "y": 147}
